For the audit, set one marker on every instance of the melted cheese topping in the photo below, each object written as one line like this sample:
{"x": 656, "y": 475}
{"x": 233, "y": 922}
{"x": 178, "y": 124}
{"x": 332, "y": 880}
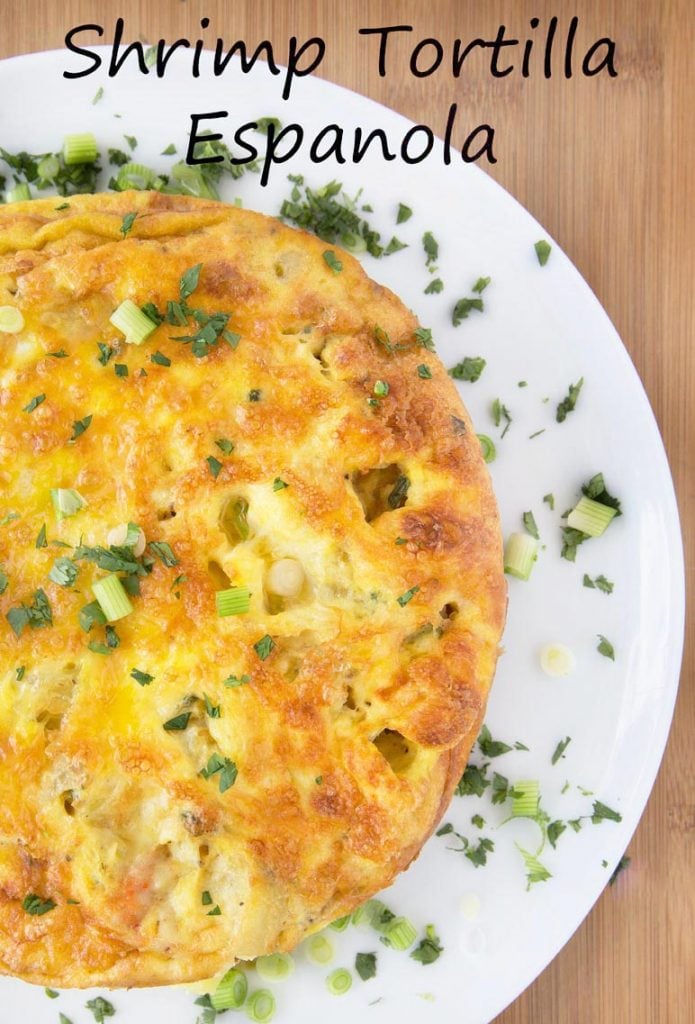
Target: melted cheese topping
{"x": 303, "y": 784}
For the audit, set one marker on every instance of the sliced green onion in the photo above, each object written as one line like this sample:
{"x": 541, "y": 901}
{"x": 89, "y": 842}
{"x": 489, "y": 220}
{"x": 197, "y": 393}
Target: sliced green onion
{"x": 320, "y": 949}
{"x": 233, "y": 519}
{"x": 590, "y": 517}
{"x": 340, "y": 924}
{"x": 275, "y": 966}
{"x": 131, "y": 321}
{"x": 192, "y": 182}
{"x": 339, "y": 981}
{"x": 525, "y": 799}
{"x": 401, "y": 933}
{"x": 235, "y": 601}
{"x": 557, "y": 660}
{"x": 18, "y": 193}
{"x": 136, "y": 176}
{"x": 66, "y": 502}
{"x": 352, "y": 242}
{"x": 80, "y": 148}
{"x": 11, "y": 320}
{"x": 520, "y": 553}
{"x": 112, "y": 598}
{"x": 260, "y": 1006}
{"x": 487, "y": 447}
{"x": 48, "y": 168}
{"x": 230, "y": 994}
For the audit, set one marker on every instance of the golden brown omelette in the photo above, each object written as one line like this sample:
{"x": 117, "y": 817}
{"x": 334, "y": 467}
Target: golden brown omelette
{"x": 263, "y": 719}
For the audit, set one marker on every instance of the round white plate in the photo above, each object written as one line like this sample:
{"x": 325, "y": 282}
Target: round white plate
{"x": 540, "y": 325}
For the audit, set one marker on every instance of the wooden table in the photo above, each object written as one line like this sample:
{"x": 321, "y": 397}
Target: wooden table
{"x": 608, "y": 166}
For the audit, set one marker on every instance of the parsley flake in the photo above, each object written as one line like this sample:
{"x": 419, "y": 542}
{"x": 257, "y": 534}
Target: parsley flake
{"x": 605, "y": 647}
{"x": 36, "y": 906}
{"x": 424, "y": 372}
{"x": 41, "y": 541}
{"x": 234, "y": 681}
{"x": 543, "y": 249}
{"x": 365, "y": 965}
{"x": 530, "y": 524}
{"x": 79, "y": 427}
{"x": 101, "y": 1009}
{"x": 160, "y": 359}
{"x": 143, "y": 678}
{"x": 178, "y": 723}
{"x": 127, "y": 223}
{"x": 568, "y": 403}
{"x": 404, "y": 213}
{"x": 408, "y": 596}
{"x": 429, "y": 949}
{"x": 560, "y": 749}
{"x": 214, "y": 466}
{"x": 34, "y": 403}
{"x": 603, "y": 813}
{"x": 264, "y": 646}
{"x": 332, "y": 260}
{"x": 469, "y": 369}
{"x": 463, "y": 308}
{"x": 435, "y": 286}
{"x": 225, "y": 445}
{"x": 279, "y": 484}
{"x": 489, "y": 747}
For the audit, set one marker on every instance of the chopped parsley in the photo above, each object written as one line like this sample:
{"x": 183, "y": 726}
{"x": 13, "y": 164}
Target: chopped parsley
{"x": 98, "y": 94}
{"x": 554, "y": 831}
{"x": 435, "y": 286}
{"x": 117, "y": 157}
{"x": 501, "y": 412}
{"x": 264, "y": 646}
{"x": 598, "y": 583}
{"x": 178, "y": 723}
{"x": 105, "y": 352}
{"x": 101, "y": 1009}
{"x": 127, "y": 223}
{"x": 34, "y": 403}
{"x": 214, "y": 465}
{"x": 478, "y": 821}
{"x": 489, "y": 747}
{"x": 131, "y": 140}
{"x": 428, "y": 949}
{"x": 35, "y": 615}
{"x": 97, "y": 647}
{"x": 365, "y": 965}
{"x": 41, "y": 541}
{"x": 264, "y": 123}
{"x": 530, "y": 524}
{"x": 560, "y": 749}
{"x": 211, "y": 710}
{"x": 143, "y": 678}
{"x": 549, "y": 500}
{"x": 568, "y": 403}
{"x": 233, "y": 681}
{"x": 542, "y": 251}
{"x": 395, "y": 245}
{"x": 381, "y": 388}
{"x": 476, "y": 853}
{"x": 463, "y": 308}
{"x": 399, "y": 494}
{"x": 535, "y": 871}
{"x": 255, "y": 395}
{"x": 469, "y": 369}
{"x": 64, "y": 572}
{"x": 408, "y": 596}
{"x": 474, "y": 781}
{"x": 603, "y": 813}
{"x": 36, "y": 906}
{"x": 160, "y": 359}
{"x": 162, "y": 550}
{"x": 424, "y": 372}
{"x": 333, "y": 219}
{"x": 4, "y": 580}
{"x": 605, "y": 647}
{"x": 404, "y": 213}
{"x": 225, "y": 445}
{"x": 620, "y": 866}
{"x": 431, "y": 247}
{"x": 279, "y": 484}
{"x": 225, "y": 769}
{"x": 332, "y": 261}
{"x": 169, "y": 151}
{"x": 481, "y": 284}
{"x": 91, "y": 615}
{"x": 79, "y": 427}
{"x": 120, "y": 369}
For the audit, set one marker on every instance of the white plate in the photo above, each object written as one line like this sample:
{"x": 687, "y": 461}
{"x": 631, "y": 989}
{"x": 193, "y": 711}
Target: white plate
{"x": 541, "y": 325}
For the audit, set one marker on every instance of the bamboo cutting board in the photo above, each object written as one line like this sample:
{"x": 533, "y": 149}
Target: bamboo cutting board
{"x": 608, "y": 166}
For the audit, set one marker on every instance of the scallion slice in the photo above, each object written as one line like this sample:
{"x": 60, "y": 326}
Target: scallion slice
{"x": 234, "y": 601}
{"x": 557, "y": 660}
{"x": 401, "y": 933}
{"x": 525, "y": 799}
{"x": 230, "y": 994}
{"x": 275, "y": 966}
{"x": 131, "y": 321}
{"x": 112, "y": 598}
{"x": 340, "y": 924}
{"x": 339, "y": 981}
{"x": 487, "y": 447}
{"x": 18, "y": 193}
{"x": 80, "y": 148}
{"x": 260, "y": 1006}
{"x": 352, "y": 242}
{"x": 11, "y": 320}
{"x": 591, "y": 517}
{"x": 520, "y": 553}
{"x": 320, "y": 949}
{"x": 66, "y": 502}
{"x": 138, "y": 177}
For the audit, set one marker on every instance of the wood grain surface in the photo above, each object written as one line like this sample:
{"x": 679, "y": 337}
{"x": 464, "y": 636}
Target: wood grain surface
{"x": 608, "y": 166}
